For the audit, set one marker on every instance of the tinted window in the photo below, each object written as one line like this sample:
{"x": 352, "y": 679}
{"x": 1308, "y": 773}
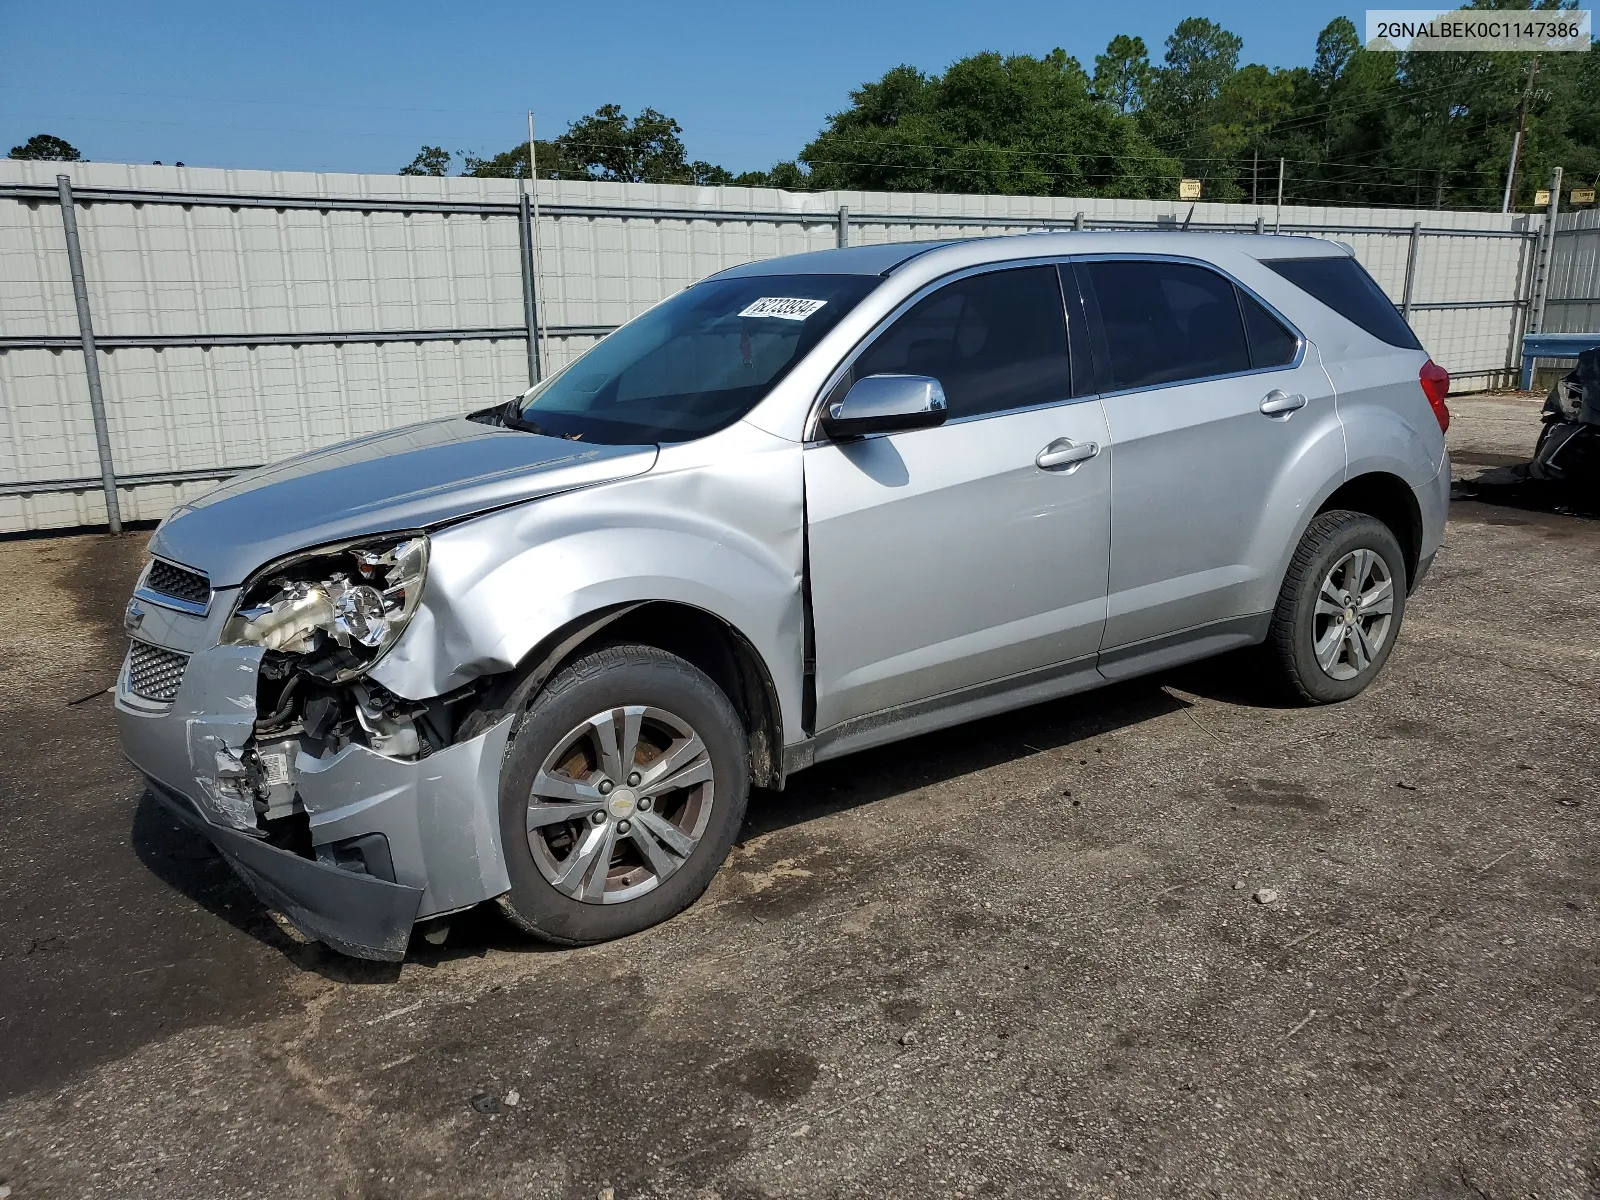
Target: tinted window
{"x": 995, "y": 342}
{"x": 1271, "y": 342}
{"x": 692, "y": 364}
{"x": 1166, "y": 322}
{"x": 1344, "y": 286}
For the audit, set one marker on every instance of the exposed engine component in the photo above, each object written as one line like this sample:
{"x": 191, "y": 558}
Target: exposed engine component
{"x": 390, "y": 730}
{"x": 324, "y": 618}
{"x": 304, "y": 713}
{"x": 340, "y": 609}
{"x": 274, "y": 778}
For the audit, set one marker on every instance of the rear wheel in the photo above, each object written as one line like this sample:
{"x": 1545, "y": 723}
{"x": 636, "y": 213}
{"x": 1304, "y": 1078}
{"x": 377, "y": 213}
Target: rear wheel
{"x": 1340, "y": 608}
{"x": 622, "y": 792}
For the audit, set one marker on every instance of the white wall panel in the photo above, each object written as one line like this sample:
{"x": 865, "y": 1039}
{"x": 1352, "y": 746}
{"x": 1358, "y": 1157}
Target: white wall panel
{"x": 206, "y": 270}
{"x": 1574, "y": 303}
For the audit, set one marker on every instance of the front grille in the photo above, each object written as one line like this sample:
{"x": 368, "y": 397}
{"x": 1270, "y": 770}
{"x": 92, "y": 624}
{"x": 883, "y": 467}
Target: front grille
{"x": 154, "y": 672}
{"x": 167, "y": 579}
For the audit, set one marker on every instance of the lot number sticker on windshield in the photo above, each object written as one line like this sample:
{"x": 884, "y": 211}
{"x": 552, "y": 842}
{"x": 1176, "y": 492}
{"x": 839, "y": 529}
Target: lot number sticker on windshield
{"x": 786, "y": 308}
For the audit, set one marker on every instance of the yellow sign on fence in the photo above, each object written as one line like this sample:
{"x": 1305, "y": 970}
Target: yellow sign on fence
{"x": 1583, "y": 195}
{"x": 1541, "y": 198}
{"x": 1188, "y": 189}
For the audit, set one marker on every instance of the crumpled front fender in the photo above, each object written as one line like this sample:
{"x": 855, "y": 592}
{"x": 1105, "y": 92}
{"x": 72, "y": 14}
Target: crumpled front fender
{"x": 717, "y": 526}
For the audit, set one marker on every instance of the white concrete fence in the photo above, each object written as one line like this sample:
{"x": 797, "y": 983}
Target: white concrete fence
{"x": 239, "y": 317}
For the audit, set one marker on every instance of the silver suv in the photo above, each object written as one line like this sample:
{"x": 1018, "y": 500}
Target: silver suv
{"x": 540, "y": 654}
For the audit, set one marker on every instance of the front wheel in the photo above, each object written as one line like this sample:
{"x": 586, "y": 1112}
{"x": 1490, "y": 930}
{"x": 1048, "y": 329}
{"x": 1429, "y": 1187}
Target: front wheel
{"x": 1340, "y": 608}
{"x": 621, "y": 794}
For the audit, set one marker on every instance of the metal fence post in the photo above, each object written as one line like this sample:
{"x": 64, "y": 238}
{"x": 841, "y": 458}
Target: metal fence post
{"x": 1411, "y": 269}
{"x": 844, "y": 226}
{"x": 1541, "y": 281}
{"x": 91, "y": 356}
{"x": 530, "y": 305}
{"x": 1277, "y": 225}
{"x": 1078, "y": 222}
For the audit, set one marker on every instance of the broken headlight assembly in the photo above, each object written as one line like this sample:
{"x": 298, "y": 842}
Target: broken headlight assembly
{"x": 338, "y": 609}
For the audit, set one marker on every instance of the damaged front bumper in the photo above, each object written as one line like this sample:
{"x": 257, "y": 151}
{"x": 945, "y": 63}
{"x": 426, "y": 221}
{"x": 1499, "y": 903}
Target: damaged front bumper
{"x": 394, "y": 841}
{"x": 356, "y": 914}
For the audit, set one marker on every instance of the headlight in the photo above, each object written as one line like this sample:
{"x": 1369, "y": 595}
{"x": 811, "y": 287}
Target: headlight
{"x": 345, "y": 604}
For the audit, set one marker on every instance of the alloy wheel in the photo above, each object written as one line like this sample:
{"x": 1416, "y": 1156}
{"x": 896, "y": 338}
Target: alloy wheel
{"x": 1354, "y": 614}
{"x": 620, "y": 804}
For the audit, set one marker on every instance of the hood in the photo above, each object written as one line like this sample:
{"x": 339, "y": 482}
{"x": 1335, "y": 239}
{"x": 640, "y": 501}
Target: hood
{"x": 408, "y": 478}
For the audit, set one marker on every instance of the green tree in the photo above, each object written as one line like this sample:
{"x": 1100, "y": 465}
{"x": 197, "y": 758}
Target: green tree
{"x": 48, "y": 148}
{"x": 1015, "y": 125}
{"x": 1182, "y": 111}
{"x": 1200, "y": 57}
{"x": 513, "y": 163}
{"x": 1250, "y": 104}
{"x": 430, "y": 160}
{"x": 1353, "y": 126}
{"x": 1336, "y": 46}
{"x": 607, "y": 145}
{"x": 786, "y": 175}
{"x": 1122, "y": 74}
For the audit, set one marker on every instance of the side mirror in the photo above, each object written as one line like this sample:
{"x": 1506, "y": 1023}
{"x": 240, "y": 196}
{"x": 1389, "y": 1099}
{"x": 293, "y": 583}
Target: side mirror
{"x": 886, "y": 403}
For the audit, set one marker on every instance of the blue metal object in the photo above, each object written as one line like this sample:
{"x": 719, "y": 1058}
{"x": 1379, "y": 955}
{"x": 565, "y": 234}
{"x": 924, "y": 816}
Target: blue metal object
{"x": 1552, "y": 345}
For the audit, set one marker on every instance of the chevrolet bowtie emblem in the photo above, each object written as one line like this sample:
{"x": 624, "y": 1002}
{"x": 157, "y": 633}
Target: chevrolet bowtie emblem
{"x": 132, "y": 617}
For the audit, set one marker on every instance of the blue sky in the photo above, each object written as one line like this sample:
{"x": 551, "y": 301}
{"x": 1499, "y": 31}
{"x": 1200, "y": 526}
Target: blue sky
{"x": 359, "y": 87}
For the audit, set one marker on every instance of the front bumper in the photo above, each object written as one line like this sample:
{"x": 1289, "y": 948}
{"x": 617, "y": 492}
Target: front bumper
{"x": 358, "y": 915}
{"x": 438, "y": 817}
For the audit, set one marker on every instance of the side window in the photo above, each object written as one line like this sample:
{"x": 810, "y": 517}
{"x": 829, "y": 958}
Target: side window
{"x": 1167, "y": 322}
{"x": 1272, "y": 344}
{"x": 1343, "y": 285}
{"x": 995, "y": 341}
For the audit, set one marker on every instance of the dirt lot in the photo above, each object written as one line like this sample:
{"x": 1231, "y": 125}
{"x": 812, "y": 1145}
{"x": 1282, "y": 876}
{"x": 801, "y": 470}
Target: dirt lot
{"x": 1021, "y": 958}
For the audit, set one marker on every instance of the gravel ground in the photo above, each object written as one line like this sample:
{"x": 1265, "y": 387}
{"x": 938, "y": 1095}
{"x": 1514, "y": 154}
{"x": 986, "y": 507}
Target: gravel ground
{"x": 1166, "y": 939}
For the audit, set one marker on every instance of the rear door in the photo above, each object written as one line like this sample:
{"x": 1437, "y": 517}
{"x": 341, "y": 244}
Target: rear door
{"x": 1212, "y": 400}
{"x": 944, "y": 558}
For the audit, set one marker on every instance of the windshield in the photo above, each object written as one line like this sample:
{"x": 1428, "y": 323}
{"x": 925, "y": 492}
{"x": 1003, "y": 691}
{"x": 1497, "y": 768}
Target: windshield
{"x": 692, "y": 364}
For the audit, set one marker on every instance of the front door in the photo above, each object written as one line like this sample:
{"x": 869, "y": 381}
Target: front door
{"x": 1215, "y": 411}
{"x": 949, "y": 557}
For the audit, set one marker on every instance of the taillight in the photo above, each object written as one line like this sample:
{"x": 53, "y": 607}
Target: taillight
{"x": 1435, "y": 382}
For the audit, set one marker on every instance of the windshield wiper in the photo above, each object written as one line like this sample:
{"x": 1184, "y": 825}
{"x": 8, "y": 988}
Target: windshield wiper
{"x": 511, "y": 417}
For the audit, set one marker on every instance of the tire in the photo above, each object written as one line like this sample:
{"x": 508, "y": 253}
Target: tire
{"x": 1323, "y": 565}
{"x": 669, "y": 829}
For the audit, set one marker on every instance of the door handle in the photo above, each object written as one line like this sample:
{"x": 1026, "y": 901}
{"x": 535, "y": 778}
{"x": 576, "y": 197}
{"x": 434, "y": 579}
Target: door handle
{"x": 1064, "y": 452}
{"x": 1281, "y": 403}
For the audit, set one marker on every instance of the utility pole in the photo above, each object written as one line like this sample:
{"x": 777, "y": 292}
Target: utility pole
{"x": 1516, "y": 142}
{"x": 1255, "y": 174}
{"x": 1277, "y": 226}
{"x": 1541, "y": 280}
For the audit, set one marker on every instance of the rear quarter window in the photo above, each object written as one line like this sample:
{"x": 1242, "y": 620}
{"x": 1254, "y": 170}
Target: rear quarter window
{"x": 1344, "y": 286}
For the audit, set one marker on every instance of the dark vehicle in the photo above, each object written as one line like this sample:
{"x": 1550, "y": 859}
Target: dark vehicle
{"x": 1568, "y": 450}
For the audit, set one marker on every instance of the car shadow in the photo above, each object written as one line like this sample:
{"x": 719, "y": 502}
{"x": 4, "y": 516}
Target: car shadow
{"x": 187, "y": 862}
{"x": 1244, "y": 678}
{"x": 184, "y": 861}
{"x": 868, "y": 776}
{"x": 1508, "y": 484}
